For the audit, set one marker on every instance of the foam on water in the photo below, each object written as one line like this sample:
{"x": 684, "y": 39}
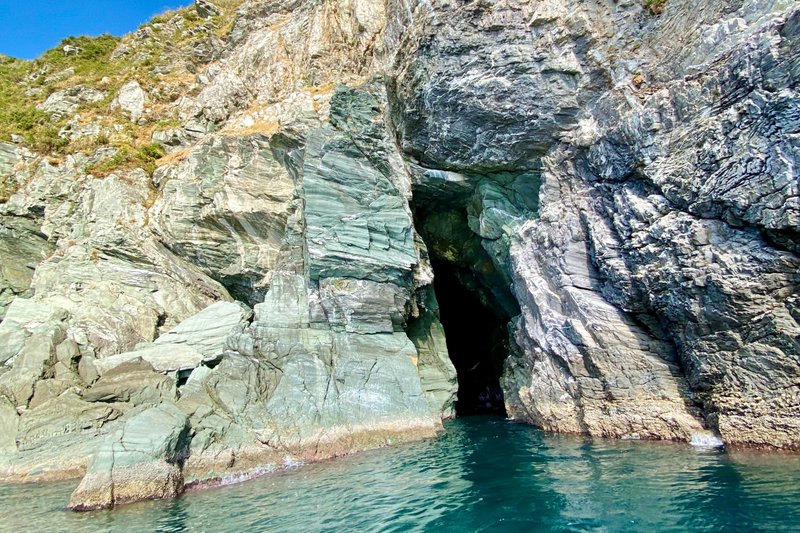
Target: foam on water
{"x": 482, "y": 474}
{"x": 706, "y": 439}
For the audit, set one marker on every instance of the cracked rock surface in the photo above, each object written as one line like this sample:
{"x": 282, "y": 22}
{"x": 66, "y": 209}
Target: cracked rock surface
{"x": 620, "y": 188}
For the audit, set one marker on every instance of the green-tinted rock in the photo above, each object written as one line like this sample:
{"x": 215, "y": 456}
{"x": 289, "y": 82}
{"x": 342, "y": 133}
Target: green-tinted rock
{"x": 198, "y": 339}
{"x": 135, "y": 382}
{"x": 358, "y": 222}
{"x": 22, "y": 247}
{"x": 141, "y": 461}
{"x": 9, "y": 421}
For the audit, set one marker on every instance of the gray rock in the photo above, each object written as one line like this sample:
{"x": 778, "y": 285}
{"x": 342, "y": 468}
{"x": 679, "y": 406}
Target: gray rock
{"x": 131, "y": 99}
{"x": 66, "y": 102}
{"x": 108, "y": 257}
{"x": 22, "y": 248}
{"x": 206, "y": 9}
{"x": 198, "y": 339}
{"x": 171, "y": 138}
{"x": 8, "y": 427}
{"x": 143, "y": 461}
{"x": 436, "y": 372}
{"x": 28, "y": 321}
{"x": 226, "y": 207}
{"x": 628, "y": 205}
{"x": 47, "y": 425}
{"x": 655, "y": 274}
{"x": 135, "y": 382}
{"x": 363, "y": 306}
{"x": 207, "y": 330}
{"x": 8, "y": 158}
{"x": 358, "y": 221}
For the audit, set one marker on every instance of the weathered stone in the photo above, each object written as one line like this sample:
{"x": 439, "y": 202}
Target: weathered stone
{"x": 198, "y": 339}
{"x": 8, "y": 426}
{"x": 110, "y": 259}
{"x": 207, "y": 330}
{"x": 363, "y": 306}
{"x": 436, "y": 372}
{"x": 49, "y": 388}
{"x": 142, "y": 461}
{"x": 357, "y": 222}
{"x": 67, "y": 415}
{"x": 206, "y": 9}
{"x": 226, "y": 206}
{"x": 623, "y": 207}
{"x": 134, "y": 382}
{"x": 634, "y": 319}
{"x": 131, "y": 99}
{"x": 22, "y": 247}
{"x": 66, "y": 102}
{"x": 27, "y": 321}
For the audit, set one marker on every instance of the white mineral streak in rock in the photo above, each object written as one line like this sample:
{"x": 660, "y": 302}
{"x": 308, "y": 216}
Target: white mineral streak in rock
{"x": 620, "y": 186}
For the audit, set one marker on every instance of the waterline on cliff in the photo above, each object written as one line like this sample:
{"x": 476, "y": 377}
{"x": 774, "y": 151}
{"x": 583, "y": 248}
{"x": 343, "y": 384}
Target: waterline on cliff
{"x": 481, "y": 474}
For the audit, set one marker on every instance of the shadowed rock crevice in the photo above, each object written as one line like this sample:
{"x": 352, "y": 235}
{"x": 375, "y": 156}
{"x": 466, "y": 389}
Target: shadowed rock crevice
{"x": 609, "y": 199}
{"x": 477, "y": 340}
{"x": 472, "y": 290}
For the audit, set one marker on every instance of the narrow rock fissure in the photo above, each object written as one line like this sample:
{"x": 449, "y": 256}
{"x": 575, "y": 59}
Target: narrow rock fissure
{"x": 477, "y": 341}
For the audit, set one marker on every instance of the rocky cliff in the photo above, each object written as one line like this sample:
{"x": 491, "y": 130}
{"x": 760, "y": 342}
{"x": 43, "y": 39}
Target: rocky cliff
{"x": 220, "y": 235}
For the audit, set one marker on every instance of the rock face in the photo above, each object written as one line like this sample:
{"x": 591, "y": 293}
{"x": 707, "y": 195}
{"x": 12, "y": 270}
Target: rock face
{"x": 626, "y": 211}
{"x": 131, "y": 99}
{"x": 140, "y": 462}
{"x": 226, "y": 206}
{"x": 664, "y": 263}
{"x": 66, "y": 102}
{"x": 658, "y": 275}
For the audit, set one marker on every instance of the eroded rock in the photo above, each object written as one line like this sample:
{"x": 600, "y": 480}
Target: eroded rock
{"x": 142, "y": 461}
{"x": 131, "y": 99}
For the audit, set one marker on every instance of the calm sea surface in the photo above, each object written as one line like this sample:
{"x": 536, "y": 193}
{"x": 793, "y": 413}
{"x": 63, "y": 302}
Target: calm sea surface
{"x": 483, "y": 474}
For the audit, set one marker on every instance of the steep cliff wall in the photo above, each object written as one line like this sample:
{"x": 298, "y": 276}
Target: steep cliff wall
{"x": 233, "y": 229}
{"x": 656, "y": 272}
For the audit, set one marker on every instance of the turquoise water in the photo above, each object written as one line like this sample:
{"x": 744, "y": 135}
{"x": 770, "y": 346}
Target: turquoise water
{"x": 484, "y": 474}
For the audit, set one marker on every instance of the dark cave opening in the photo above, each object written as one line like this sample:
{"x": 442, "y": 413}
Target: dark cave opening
{"x": 477, "y": 341}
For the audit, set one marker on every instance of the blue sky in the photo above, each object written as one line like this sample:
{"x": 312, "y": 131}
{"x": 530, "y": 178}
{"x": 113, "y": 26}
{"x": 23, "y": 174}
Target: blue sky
{"x": 29, "y": 27}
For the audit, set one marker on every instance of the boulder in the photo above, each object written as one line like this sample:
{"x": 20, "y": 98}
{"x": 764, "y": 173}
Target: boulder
{"x": 66, "y": 102}
{"x": 142, "y": 461}
{"x": 26, "y": 321}
{"x": 131, "y": 99}
{"x": 198, "y": 339}
{"x": 134, "y": 382}
{"x": 206, "y": 9}
{"x": 208, "y": 330}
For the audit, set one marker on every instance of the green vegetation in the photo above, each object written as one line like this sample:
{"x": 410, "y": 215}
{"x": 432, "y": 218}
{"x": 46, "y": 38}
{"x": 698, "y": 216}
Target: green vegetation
{"x": 166, "y": 41}
{"x": 128, "y": 157}
{"x": 656, "y": 7}
{"x": 92, "y": 57}
{"x": 24, "y": 84}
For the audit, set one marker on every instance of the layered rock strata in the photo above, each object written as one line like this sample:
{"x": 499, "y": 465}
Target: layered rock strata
{"x": 628, "y": 206}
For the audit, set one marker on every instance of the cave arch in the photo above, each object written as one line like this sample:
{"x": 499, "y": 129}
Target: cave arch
{"x": 477, "y": 342}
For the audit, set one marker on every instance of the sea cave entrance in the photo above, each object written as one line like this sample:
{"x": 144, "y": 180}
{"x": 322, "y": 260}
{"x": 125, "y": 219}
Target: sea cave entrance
{"x": 472, "y": 286}
{"x": 477, "y": 341}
